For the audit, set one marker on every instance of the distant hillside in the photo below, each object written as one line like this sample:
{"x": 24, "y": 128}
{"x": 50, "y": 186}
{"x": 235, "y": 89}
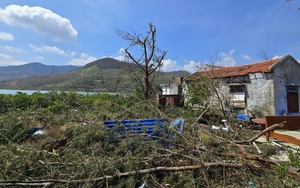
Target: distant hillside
{"x": 32, "y": 69}
{"x": 103, "y": 75}
{"x": 109, "y": 63}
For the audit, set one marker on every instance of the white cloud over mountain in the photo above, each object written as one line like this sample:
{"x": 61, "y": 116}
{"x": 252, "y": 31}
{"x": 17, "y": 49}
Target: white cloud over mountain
{"x": 191, "y": 66}
{"x": 83, "y": 59}
{"x": 51, "y": 49}
{"x": 170, "y": 65}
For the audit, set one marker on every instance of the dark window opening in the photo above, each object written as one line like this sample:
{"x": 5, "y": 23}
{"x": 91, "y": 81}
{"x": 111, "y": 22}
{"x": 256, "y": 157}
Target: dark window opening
{"x": 292, "y": 99}
{"x": 292, "y": 102}
{"x": 237, "y": 88}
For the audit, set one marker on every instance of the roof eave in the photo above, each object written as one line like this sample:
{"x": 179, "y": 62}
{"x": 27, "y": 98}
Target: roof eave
{"x": 279, "y": 61}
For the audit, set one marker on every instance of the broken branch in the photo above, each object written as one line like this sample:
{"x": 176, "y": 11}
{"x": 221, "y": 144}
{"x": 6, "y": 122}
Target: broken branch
{"x": 261, "y": 133}
{"x": 119, "y": 175}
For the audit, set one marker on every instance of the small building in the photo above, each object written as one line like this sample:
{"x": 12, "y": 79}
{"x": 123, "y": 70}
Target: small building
{"x": 271, "y": 87}
{"x": 171, "y": 94}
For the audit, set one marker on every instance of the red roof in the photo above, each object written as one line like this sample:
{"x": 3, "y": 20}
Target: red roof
{"x": 221, "y": 72}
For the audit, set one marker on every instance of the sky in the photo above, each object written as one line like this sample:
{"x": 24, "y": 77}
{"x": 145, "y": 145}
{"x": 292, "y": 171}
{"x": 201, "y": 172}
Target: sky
{"x": 193, "y": 32}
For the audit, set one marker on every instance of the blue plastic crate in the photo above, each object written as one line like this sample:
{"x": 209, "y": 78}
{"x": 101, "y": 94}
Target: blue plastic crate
{"x": 148, "y": 126}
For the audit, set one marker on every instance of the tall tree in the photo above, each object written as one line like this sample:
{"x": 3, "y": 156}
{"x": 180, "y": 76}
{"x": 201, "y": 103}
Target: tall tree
{"x": 288, "y": 3}
{"x": 150, "y": 57}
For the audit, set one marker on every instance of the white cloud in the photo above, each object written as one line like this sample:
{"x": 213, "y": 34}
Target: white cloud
{"x": 39, "y": 58}
{"x": 73, "y": 54}
{"x": 245, "y": 57}
{"x": 40, "y": 20}
{"x": 11, "y": 62}
{"x": 191, "y": 66}
{"x": 226, "y": 59}
{"x": 6, "y": 60}
{"x": 170, "y": 65}
{"x": 6, "y": 57}
{"x": 11, "y": 49}
{"x": 6, "y": 36}
{"x": 51, "y": 49}
{"x": 276, "y": 56}
{"x": 120, "y": 55}
{"x": 82, "y": 60}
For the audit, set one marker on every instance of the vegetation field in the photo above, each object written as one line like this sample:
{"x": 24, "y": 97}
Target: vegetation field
{"x": 95, "y": 156}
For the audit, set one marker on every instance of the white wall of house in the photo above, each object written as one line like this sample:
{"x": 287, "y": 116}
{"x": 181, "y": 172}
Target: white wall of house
{"x": 260, "y": 93}
{"x": 171, "y": 89}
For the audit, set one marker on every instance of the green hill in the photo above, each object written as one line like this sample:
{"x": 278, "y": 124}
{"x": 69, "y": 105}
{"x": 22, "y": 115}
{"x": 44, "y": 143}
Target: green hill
{"x": 103, "y": 75}
{"x": 32, "y": 69}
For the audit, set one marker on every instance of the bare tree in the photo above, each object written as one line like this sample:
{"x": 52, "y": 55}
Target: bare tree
{"x": 288, "y": 3}
{"x": 150, "y": 57}
{"x": 264, "y": 55}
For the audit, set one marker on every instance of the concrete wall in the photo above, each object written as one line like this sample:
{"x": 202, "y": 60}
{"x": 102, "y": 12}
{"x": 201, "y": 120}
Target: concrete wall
{"x": 285, "y": 73}
{"x": 260, "y": 93}
{"x": 171, "y": 89}
{"x": 177, "y": 80}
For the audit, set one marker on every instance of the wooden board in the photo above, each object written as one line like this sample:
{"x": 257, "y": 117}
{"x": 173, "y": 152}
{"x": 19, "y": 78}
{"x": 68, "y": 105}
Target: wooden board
{"x": 285, "y": 138}
{"x": 292, "y": 123}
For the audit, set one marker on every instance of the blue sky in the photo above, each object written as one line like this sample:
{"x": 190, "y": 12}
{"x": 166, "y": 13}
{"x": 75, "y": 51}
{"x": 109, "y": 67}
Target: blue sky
{"x": 194, "y": 32}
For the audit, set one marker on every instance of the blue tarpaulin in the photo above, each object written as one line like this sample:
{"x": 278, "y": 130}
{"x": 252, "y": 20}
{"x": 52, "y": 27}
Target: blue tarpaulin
{"x": 148, "y": 126}
{"x": 243, "y": 117}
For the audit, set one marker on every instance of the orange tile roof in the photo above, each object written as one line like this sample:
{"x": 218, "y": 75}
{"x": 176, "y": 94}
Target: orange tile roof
{"x": 222, "y": 72}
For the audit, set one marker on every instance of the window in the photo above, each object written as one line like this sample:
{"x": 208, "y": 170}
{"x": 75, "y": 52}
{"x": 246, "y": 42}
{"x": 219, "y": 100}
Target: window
{"x": 238, "y": 96}
{"x": 165, "y": 89}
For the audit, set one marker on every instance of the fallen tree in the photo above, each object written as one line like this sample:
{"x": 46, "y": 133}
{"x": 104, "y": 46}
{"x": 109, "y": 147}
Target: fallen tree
{"x": 46, "y": 183}
{"x": 98, "y": 157}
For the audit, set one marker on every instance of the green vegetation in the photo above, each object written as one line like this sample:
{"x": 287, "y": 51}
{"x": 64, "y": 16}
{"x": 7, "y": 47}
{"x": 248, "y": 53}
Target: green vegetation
{"x": 95, "y": 156}
{"x": 104, "y": 75}
{"x": 288, "y": 171}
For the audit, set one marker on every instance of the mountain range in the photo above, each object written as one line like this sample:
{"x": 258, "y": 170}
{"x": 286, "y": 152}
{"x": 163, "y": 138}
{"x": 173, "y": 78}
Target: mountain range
{"x": 102, "y": 75}
{"x": 32, "y": 69}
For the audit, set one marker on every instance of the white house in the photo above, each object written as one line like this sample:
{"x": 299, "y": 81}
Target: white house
{"x": 271, "y": 87}
{"x": 171, "y": 94}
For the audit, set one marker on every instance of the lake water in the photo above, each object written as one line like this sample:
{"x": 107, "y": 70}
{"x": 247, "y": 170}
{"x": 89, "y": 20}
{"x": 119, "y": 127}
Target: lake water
{"x": 13, "y": 92}
{"x": 30, "y": 92}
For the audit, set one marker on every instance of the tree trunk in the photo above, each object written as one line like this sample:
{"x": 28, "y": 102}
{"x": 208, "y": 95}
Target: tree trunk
{"x": 146, "y": 84}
